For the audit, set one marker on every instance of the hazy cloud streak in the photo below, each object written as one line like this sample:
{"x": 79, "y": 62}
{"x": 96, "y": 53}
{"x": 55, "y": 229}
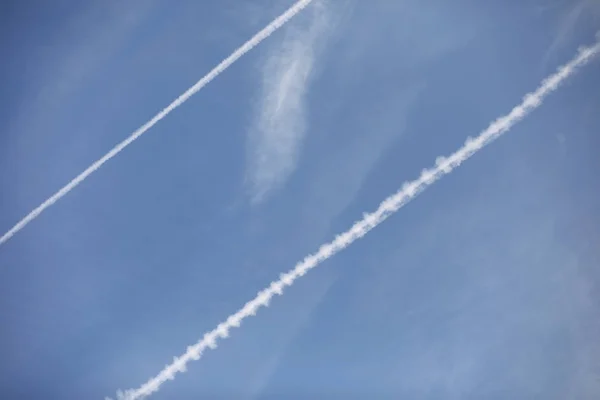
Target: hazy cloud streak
{"x": 276, "y": 136}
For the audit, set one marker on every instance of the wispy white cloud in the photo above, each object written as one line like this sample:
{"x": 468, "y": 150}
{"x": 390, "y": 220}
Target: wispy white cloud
{"x": 352, "y": 148}
{"x": 281, "y": 120}
{"x": 574, "y": 15}
{"x": 408, "y": 191}
{"x": 338, "y": 176}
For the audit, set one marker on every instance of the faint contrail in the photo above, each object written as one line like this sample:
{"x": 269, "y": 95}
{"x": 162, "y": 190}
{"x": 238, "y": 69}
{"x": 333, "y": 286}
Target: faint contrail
{"x": 223, "y": 65}
{"x": 389, "y": 206}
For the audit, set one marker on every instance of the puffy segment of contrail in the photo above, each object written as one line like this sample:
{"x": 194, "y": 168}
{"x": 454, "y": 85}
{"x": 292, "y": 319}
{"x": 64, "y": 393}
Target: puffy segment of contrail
{"x": 389, "y": 206}
{"x": 216, "y": 71}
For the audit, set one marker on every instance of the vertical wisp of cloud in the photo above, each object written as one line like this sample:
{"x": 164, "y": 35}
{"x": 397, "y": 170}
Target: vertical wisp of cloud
{"x": 216, "y": 71}
{"x": 276, "y": 136}
{"x": 408, "y": 191}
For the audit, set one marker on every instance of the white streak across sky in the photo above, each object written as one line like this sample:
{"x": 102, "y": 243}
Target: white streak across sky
{"x": 216, "y": 71}
{"x": 408, "y": 191}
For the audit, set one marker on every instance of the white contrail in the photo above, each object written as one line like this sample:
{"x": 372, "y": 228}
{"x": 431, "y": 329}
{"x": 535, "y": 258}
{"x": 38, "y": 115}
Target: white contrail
{"x": 223, "y": 65}
{"x": 389, "y": 206}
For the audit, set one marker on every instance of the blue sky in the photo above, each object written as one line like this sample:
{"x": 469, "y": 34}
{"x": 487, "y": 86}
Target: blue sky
{"x": 486, "y": 286}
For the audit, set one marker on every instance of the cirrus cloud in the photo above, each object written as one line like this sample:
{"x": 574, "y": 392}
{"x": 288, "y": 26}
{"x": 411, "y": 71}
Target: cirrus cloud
{"x": 281, "y": 121}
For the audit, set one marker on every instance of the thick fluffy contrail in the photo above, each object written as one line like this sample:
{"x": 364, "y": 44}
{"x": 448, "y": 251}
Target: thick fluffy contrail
{"x": 389, "y": 206}
{"x": 223, "y": 65}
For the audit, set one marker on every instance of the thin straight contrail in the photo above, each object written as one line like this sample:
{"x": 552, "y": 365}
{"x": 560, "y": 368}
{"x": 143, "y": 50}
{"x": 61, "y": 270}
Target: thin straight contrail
{"x": 389, "y": 206}
{"x": 223, "y": 65}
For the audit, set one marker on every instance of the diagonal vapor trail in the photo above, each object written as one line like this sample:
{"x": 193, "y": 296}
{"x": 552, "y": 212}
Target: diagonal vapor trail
{"x": 216, "y": 71}
{"x": 389, "y": 206}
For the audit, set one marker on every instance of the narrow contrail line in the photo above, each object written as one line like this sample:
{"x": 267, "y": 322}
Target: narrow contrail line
{"x": 216, "y": 71}
{"x": 389, "y": 206}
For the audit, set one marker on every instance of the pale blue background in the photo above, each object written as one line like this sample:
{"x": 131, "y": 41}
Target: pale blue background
{"x": 485, "y": 287}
